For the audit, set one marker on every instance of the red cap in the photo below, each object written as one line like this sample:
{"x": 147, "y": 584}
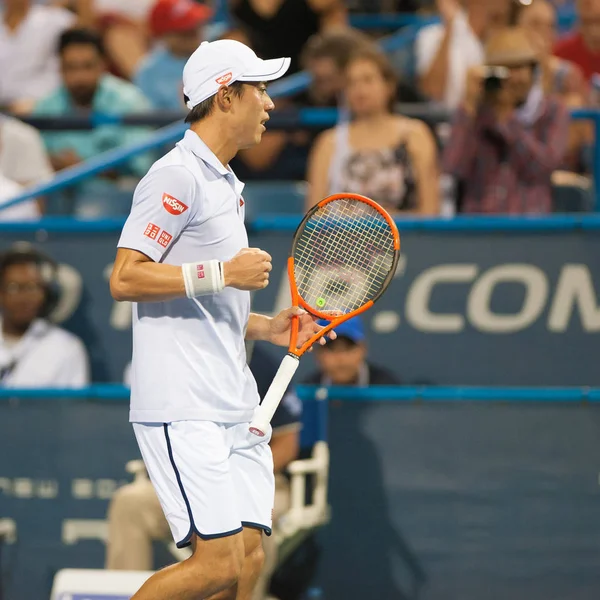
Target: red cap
{"x": 169, "y": 16}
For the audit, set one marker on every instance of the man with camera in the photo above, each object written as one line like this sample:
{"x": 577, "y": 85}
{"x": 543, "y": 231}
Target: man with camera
{"x": 508, "y": 136}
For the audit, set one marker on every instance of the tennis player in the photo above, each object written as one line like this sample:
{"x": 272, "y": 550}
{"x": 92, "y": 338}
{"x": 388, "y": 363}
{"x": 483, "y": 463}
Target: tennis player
{"x": 183, "y": 261}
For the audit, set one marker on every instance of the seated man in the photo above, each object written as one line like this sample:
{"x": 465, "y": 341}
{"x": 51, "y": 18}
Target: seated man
{"x": 86, "y": 88}
{"x": 508, "y": 136}
{"x": 177, "y": 26}
{"x": 135, "y": 517}
{"x": 33, "y": 351}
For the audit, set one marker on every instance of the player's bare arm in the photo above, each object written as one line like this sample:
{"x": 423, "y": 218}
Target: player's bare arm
{"x": 137, "y": 278}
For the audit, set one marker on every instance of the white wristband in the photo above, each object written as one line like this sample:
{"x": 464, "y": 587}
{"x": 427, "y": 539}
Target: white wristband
{"x": 203, "y": 278}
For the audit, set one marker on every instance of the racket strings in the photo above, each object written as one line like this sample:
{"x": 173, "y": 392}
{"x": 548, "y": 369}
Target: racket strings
{"x": 343, "y": 256}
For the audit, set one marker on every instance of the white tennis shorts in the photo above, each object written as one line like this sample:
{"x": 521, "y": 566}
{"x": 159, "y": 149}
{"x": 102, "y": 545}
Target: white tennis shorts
{"x": 212, "y": 479}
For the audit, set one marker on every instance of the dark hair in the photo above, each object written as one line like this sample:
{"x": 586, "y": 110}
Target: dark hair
{"x": 80, "y": 36}
{"x": 206, "y": 107}
{"x": 337, "y": 45}
{"x": 381, "y": 61}
{"x": 27, "y": 255}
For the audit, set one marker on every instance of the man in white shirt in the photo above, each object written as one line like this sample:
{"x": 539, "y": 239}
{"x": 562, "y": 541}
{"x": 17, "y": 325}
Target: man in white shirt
{"x": 446, "y": 51}
{"x": 28, "y": 60}
{"x": 192, "y": 393}
{"x": 34, "y": 352}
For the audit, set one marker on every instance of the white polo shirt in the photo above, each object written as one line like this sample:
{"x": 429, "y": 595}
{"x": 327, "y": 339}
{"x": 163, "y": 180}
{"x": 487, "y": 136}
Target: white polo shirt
{"x": 189, "y": 357}
{"x": 46, "y": 356}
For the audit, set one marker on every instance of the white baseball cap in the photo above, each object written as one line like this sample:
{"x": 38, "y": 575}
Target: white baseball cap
{"x": 222, "y": 62}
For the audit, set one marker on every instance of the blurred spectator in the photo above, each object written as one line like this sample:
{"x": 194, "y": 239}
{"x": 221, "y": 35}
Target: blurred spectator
{"x": 23, "y": 157}
{"x": 325, "y": 57}
{"x": 87, "y": 87}
{"x": 343, "y": 361}
{"x": 177, "y": 24}
{"x": 24, "y": 211}
{"x": 558, "y": 76}
{"x": 135, "y": 517}
{"x": 445, "y": 52}
{"x": 282, "y": 27}
{"x": 508, "y": 136}
{"x": 387, "y": 157}
{"x": 28, "y": 63}
{"x": 582, "y": 47}
{"x": 33, "y": 351}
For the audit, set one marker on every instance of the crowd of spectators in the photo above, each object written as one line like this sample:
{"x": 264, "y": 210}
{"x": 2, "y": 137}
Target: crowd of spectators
{"x": 500, "y": 71}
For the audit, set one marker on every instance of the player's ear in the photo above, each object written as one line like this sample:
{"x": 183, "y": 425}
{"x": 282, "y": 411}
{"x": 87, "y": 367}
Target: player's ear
{"x": 224, "y": 98}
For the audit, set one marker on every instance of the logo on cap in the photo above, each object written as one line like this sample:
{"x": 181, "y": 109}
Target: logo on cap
{"x": 172, "y": 205}
{"x": 224, "y": 79}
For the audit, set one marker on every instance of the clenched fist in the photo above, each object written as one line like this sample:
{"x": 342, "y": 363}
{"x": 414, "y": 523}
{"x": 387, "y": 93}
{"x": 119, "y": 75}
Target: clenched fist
{"x": 248, "y": 270}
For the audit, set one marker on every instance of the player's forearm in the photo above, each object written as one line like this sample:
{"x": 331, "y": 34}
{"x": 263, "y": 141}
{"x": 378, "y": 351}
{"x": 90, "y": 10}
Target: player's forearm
{"x": 147, "y": 282}
{"x": 259, "y": 328}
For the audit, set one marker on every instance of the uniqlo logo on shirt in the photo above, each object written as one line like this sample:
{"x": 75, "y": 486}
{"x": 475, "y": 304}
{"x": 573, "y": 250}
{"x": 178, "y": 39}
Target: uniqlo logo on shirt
{"x": 172, "y": 205}
{"x": 164, "y": 239}
{"x": 200, "y": 271}
{"x": 151, "y": 231}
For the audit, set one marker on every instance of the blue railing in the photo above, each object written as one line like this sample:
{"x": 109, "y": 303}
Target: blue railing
{"x": 308, "y": 117}
{"x": 112, "y": 392}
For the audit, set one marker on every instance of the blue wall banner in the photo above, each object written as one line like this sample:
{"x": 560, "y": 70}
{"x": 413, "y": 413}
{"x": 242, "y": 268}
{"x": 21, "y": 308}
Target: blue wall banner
{"x": 465, "y": 308}
{"x": 454, "y": 501}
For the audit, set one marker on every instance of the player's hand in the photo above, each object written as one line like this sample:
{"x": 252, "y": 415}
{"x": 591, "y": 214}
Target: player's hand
{"x": 281, "y": 327}
{"x": 248, "y": 270}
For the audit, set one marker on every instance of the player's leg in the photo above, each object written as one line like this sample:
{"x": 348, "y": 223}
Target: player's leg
{"x": 135, "y": 518}
{"x": 251, "y": 569}
{"x": 213, "y": 571}
{"x": 252, "y": 473}
{"x": 188, "y": 463}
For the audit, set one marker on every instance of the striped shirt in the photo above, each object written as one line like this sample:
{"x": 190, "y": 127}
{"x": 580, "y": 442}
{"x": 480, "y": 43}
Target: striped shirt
{"x": 507, "y": 167}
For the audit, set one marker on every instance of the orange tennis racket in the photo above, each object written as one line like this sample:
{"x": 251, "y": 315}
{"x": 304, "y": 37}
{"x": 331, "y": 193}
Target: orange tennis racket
{"x": 344, "y": 255}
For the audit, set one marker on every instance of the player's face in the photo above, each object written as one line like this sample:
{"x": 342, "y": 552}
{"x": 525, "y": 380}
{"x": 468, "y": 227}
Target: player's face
{"x": 22, "y": 294}
{"x": 367, "y": 91}
{"x": 251, "y": 113}
{"x": 82, "y": 67}
{"x": 340, "y": 360}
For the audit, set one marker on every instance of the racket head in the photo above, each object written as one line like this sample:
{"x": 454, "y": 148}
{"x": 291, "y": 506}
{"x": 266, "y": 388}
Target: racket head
{"x": 344, "y": 256}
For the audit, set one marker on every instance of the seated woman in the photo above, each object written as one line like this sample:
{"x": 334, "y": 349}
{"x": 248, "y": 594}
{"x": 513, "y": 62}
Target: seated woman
{"x": 384, "y": 156}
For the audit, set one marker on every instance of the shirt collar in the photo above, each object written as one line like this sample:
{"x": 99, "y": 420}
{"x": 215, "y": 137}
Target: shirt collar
{"x": 193, "y": 142}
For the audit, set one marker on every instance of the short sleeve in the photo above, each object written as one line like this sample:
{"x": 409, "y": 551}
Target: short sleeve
{"x": 164, "y": 203}
{"x": 426, "y": 47}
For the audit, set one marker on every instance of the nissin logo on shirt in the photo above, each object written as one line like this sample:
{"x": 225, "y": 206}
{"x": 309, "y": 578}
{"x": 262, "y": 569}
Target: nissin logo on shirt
{"x": 172, "y": 205}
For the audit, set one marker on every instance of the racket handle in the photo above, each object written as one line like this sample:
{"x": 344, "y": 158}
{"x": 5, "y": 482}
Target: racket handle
{"x": 265, "y": 411}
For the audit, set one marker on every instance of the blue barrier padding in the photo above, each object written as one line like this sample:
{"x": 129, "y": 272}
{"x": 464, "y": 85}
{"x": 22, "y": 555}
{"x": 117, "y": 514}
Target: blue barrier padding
{"x": 289, "y": 223}
{"x": 375, "y": 393}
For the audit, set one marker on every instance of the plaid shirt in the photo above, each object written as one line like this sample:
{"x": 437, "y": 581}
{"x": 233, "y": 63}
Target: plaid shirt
{"x": 506, "y": 167}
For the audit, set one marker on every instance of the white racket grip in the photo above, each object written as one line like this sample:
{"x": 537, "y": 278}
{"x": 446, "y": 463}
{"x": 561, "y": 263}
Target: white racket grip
{"x": 265, "y": 411}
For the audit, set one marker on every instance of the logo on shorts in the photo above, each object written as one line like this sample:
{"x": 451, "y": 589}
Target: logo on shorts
{"x": 224, "y": 79}
{"x": 164, "y": 238}
{"x": 172, "y": 205}
{"x": 151, "y": 231}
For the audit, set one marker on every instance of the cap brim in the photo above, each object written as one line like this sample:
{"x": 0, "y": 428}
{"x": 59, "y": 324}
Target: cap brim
{"x": 267, "y": 70}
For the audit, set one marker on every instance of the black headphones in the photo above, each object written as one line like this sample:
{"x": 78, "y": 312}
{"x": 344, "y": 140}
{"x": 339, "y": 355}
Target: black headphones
{"x": 22, "y": 253}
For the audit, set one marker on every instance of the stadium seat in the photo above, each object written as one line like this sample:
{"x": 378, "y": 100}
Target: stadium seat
{"x": 571, "y": 193}
{"x": 274, "y": 197}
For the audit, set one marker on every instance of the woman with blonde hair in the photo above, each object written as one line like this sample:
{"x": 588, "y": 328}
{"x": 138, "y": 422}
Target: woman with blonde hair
{"x": 377, "y": 153}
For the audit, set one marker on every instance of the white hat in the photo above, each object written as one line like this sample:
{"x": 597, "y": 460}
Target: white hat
{"x": 222, "y": 62}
